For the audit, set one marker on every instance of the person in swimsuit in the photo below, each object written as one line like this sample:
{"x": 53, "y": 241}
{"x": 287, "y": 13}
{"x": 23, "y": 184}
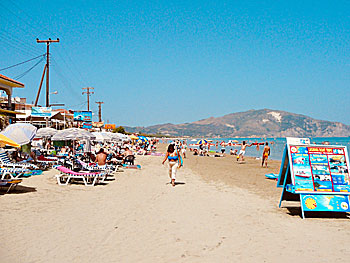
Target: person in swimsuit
{"x": 101, "y": 158}
{"x": 173, "y": 158}
{"x": 242, "y": 151}
{"x": 266, "y": 153}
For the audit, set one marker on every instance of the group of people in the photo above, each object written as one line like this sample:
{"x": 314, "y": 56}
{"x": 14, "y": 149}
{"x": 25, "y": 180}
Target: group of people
{"x": 203, "y": 150}
{"x": 176, "y": 148}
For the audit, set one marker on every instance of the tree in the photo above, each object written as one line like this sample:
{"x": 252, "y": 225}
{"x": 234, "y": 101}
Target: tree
{"x": 119, "y": 129}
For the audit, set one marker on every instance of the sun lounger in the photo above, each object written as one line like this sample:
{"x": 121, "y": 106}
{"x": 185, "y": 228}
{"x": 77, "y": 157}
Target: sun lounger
{"x": 89, "y": 179}
{"x": 10, "y": 183}
{"x": 130, "y": 166}
{"x": 5, "y": 161}
{"x": 109, "y": 169}
{"x": 11, "y": 173}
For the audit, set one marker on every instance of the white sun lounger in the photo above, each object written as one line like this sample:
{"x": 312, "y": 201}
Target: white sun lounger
{"x": 89, "y": 179}
{"x": 5, "y": 161}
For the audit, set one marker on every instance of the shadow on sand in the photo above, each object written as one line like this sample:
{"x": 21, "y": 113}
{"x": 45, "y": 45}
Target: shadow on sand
{"x": 177, "y": 183}
{"x": 19, "y": 189}
{"x": 296, "y": 211}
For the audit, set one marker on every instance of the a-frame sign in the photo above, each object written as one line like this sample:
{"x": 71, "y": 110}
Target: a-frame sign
{"x": 315, "y": 175}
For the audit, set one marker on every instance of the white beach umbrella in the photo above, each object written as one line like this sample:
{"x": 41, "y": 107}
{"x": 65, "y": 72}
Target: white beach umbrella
{"x": 102, "y": 136}
{"x": 73, "y": 134}
{"x": 21, "y": 133}
{"x": 45, "y": 132}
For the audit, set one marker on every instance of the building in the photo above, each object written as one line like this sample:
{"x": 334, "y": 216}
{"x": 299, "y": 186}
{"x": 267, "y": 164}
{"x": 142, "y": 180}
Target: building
{"x": 7, "y": 108}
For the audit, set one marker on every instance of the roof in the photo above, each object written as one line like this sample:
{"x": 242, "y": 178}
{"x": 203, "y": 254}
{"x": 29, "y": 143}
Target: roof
{"x": 11, "y": 112}
{"x": 13, "y": 83}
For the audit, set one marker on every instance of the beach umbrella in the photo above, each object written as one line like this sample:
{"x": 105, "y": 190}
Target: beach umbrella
{"x": 45, "y": 132}
{"x": 133, "y": 137}
{"x": 7, "y": 141}
{"x": 102, "y": 136}
{"x": 73, "y": 134}
{"x": 143, "y": 138}
{"x": 203, "y": 141}
{"x": 21, "y": 133}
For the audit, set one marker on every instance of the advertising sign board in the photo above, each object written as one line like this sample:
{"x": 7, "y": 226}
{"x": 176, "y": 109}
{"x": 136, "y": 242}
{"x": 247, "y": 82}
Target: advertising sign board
{"x": 318, "y": 174}
{"x": 109, "y": 126}
{"x": 41, "y": 111}
{"x": 85, "y": 116}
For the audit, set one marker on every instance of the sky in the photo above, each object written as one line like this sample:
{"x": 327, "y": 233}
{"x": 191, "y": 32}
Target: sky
{"x": 154, "y": 62}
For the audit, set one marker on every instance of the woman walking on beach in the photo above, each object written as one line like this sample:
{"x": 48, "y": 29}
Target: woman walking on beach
{"x": 174, "y": 160}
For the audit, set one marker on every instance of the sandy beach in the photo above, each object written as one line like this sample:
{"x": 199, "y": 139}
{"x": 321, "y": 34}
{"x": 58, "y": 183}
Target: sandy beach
{"x": 220, "y": 211}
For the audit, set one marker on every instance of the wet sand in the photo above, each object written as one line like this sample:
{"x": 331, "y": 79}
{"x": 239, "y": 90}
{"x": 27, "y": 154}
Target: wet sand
{"x": 219, "y": 211}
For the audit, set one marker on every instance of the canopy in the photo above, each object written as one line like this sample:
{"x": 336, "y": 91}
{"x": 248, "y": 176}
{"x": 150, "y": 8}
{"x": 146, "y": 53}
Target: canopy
{"x": 21, "y": 133}
{"x": 73, "y": 134}
{"x": 46, "y": 132}
{"x": 7, "y": 141}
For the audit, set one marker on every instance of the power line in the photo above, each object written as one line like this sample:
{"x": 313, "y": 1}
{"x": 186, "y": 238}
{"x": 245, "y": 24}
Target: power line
{"x": 18, "y": 47}
{"x": 21, "y": 63}
{"x": 27, "y": 71}
{"x": 70, "y": 66}
{"x": 20, "y": 44}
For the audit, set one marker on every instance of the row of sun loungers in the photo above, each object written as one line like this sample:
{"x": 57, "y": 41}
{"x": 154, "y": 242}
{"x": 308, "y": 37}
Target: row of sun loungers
{"x": 90, "y": 174}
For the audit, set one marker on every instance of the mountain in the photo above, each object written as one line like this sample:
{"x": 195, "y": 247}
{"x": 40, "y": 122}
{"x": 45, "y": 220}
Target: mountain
{"x": 252, "y": 123}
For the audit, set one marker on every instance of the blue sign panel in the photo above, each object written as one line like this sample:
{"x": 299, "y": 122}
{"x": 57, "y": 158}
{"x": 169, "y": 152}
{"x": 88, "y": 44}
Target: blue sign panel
{"x": 325, "y": 202}
{"x": 85, "y": 116}
{"x": 87, "y": 125}
{"x": 41, "y": 111}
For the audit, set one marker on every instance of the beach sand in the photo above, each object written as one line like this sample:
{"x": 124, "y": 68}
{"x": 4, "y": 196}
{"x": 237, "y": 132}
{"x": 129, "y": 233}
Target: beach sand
{"x": 220, "y": 211}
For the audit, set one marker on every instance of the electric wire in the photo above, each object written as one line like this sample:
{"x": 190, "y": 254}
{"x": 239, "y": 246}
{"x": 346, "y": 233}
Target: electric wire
{"x": 27, "y": 71}
{"x": 21, "y": 63}
{"x": 70, "y": 66}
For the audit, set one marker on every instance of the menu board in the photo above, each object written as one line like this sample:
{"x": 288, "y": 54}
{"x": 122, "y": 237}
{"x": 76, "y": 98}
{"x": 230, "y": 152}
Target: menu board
{"x": 317, "y": 168}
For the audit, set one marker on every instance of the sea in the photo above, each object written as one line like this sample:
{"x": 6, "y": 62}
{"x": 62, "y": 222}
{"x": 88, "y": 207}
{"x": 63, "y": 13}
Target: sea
{"x": 276, "y": 144}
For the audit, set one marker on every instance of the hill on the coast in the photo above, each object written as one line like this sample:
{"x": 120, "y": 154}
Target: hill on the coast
{"x": 252, "y": 123}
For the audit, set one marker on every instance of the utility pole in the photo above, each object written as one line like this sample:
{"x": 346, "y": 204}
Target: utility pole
{"x": 48, "y": 42}
{"x": 88, "y": 93}
{"x": 99, "y": 110}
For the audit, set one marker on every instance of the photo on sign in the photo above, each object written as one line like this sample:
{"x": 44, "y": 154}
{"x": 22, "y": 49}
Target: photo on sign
{"x": 300, "y": 159}
{"x": 318, "y": 159}
{"x": 337, "y": 164}
{"x": 302, "y": 172}
{"x": 304, "y": 185}
{"x": 337, "y": 159}
{"x": 321, "y": 186}
{"x": 322, "y": 177}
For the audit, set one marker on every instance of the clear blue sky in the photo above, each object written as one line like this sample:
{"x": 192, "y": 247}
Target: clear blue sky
{"x": 179, "y": 61}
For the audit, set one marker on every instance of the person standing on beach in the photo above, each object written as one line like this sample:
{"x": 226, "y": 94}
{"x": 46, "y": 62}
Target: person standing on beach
{"x": 183, "y": 149}
{"x": 242, "y": 151}
{"x": 266, "y": 153}
{"x": 174, "y": 160}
